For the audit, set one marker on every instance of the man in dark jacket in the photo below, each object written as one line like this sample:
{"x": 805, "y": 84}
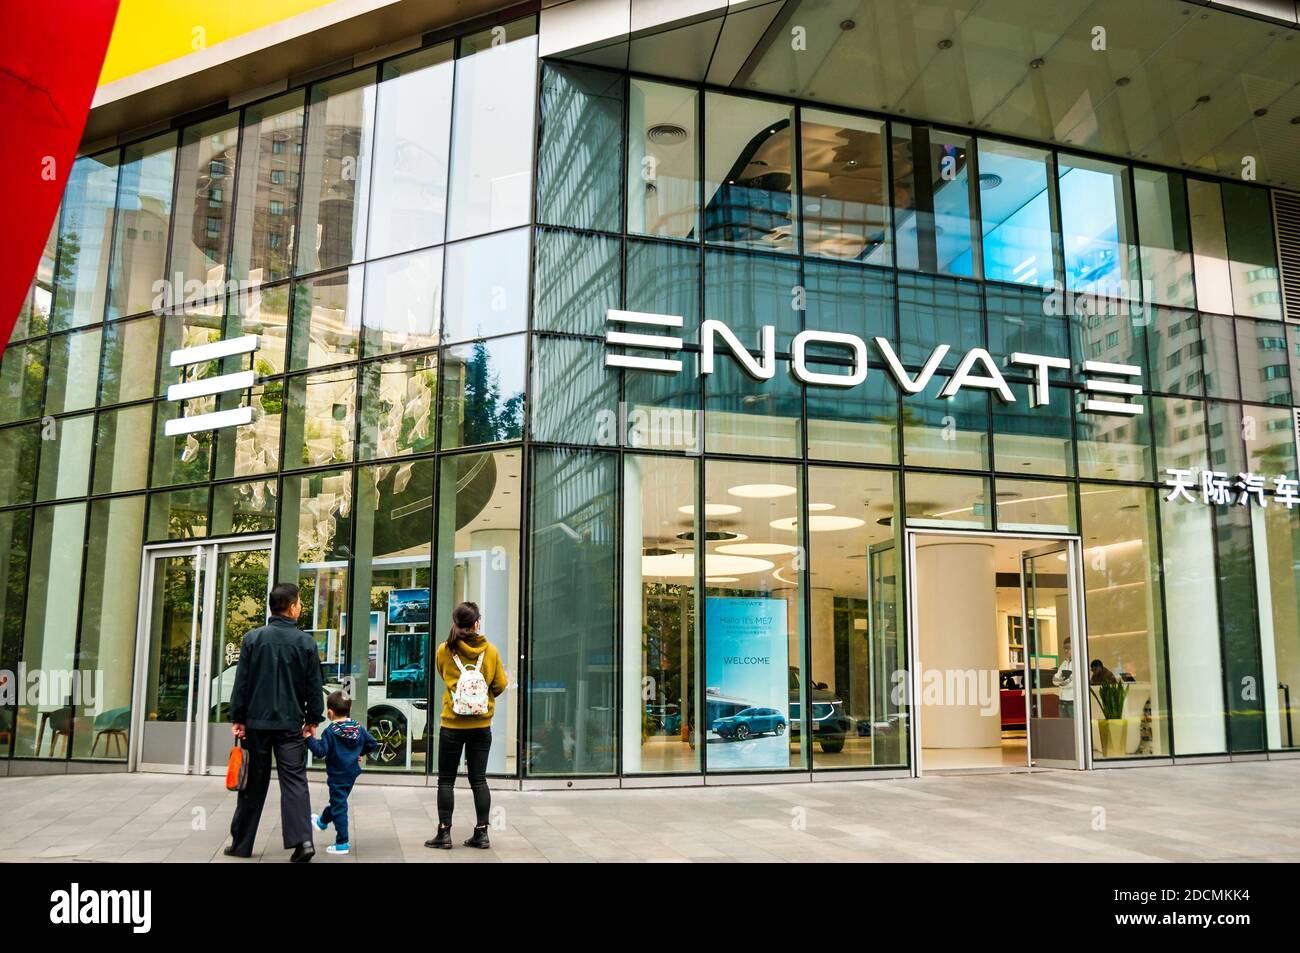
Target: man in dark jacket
{"x": 1100, "y": 674}
{"x": 275, "y": 706}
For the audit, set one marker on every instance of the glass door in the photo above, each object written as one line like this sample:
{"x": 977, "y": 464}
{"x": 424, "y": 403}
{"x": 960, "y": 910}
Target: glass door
{"x": 888, "y": 709}
{"x": 239, "y": 585}
{"x": 173, "y": 582}
{"x": 198, "y": 601}
{"x": 1049, "y": 610}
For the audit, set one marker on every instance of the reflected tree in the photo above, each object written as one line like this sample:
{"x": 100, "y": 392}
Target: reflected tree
{"x": 487, "y": 417}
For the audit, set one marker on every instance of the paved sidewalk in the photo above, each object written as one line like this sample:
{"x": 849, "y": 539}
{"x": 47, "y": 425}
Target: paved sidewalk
{"x": 1248, "y": 811}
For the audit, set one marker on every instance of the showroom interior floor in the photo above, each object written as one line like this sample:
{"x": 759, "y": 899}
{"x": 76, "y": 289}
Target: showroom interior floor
{"x": 1012, "y": 753}
{"x": 1245, "y": 811}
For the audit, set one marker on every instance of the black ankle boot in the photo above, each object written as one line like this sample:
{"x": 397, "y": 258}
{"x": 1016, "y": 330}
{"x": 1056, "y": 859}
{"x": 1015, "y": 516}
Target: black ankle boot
{"x": 480, "y": 838}
{"x": 442, "y": 841}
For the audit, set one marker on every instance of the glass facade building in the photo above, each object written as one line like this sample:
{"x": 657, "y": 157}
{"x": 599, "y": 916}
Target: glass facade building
{"x": 430, "y": 259}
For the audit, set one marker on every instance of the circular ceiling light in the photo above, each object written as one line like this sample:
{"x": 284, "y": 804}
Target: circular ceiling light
{"x": 820, "y": 507}
{"x": 721, "y": 564}
{"x": 761, "y": 491}
{"x": 818, "y": 524}
{"x": 682, "y": 565}
{"x": 711, "y": 509}
{"x": 666, "y": 134}
{"x": 758, "y": 549}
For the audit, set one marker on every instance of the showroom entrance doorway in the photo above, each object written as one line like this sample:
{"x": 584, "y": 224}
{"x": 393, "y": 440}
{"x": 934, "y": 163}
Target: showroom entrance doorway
{"x": 197, "y": 600}
{"x": 995, "y": 629}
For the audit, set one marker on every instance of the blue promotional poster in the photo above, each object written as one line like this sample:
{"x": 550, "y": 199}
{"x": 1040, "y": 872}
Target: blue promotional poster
{"x": 747, "y": 694}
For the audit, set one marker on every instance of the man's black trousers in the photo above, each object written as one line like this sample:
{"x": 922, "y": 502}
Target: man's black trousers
{"x": 290, "y": 750}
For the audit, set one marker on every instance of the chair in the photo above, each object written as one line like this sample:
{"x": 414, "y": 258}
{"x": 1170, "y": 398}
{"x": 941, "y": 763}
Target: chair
{"x": 60, "y": 722}
{"x": 112, "y": 726}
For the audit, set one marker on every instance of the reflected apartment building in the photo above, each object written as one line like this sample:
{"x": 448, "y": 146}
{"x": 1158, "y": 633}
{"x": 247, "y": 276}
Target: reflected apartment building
{"x": 801, "y": 390}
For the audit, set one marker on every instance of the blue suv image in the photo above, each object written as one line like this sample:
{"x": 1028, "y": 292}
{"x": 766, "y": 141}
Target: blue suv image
{"x": 749, "y": 722}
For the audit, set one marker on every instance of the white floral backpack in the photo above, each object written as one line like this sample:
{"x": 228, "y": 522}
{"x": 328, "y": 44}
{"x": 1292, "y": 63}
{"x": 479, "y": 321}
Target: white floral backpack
{"x": 470, "y": 696}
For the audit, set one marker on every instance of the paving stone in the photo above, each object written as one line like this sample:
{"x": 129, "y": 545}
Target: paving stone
{"x": 1202, "y": 813}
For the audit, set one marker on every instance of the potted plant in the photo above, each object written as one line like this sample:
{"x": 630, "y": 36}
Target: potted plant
{"x": 1113, "y": 728}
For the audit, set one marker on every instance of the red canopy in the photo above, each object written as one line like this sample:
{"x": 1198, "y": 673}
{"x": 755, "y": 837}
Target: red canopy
{"x": 50, "y": 58}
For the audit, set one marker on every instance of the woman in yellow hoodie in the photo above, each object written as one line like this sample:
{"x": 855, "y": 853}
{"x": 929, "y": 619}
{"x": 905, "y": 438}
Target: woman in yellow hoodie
{"x": 471, "y": 734}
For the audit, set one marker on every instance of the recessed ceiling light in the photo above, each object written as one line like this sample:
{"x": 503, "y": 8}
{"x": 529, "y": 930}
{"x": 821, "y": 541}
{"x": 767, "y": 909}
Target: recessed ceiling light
{"x": 761, "y": 491}
{"x": 758, "y": 549}
{"x": 711, "y": 509}
{"x": 818, "y": 524}
{"x": 682, "y": 565}
{"x": 820, "y": 507}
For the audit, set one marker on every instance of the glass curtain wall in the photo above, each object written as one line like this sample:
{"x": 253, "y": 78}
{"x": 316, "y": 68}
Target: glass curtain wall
{"x": 755, "y": 715}
{"x": 998, "y": 231}
{"x": 660, "y": 607}
{"x": 332, "y": 250}
{"x": 383, "y": 224}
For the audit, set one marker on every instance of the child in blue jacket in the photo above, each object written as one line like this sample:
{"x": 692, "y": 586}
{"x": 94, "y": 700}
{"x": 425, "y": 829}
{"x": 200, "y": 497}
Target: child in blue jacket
{"x": 343, "y": 745}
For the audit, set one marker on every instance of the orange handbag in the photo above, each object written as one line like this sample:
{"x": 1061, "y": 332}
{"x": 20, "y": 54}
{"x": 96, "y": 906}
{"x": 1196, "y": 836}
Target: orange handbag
{"x": 237, "y": 767}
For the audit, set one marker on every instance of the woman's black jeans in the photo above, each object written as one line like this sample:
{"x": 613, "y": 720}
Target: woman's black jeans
{"x": 476, "y": 743}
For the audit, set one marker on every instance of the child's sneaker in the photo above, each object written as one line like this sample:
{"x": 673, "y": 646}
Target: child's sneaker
{"x": 337, "y": 849}
{"x": 316, "y": 822}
